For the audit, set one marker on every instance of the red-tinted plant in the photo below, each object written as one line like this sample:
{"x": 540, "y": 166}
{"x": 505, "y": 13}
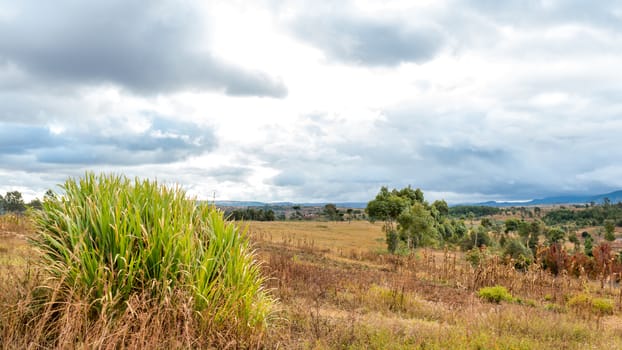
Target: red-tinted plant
{"x": 554, "y": 258}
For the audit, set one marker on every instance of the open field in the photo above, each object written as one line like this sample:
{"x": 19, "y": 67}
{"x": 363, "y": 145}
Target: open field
{"x": 336, "y": 290}
{"x": 429, "y": 300}
{"x": 334, "y": 236}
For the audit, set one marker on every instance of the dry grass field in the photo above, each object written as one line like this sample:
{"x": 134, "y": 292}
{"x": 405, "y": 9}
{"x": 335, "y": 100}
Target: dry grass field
{"x": 335, "y": 294}
{"x": 336, "y": 290}
{"x": 334, "y": 236}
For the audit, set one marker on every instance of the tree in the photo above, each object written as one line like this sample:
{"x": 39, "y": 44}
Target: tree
{"x": 537, "y": 211}
{"x": 441, "y": 206}
{"x": 606, "y": 202}
{"x": 588, "y": 244}
{"x": 350, "y": 212}
{"x": 537, "y": 227}
{"x": 575, "y": 240}
{"x": 410, "y": 194}
{"x": 386, "y": 206}
{"x": 35, "y": 204}
{"x": 417, "y": 226}
{"x": 555, "y": 235}
{"x": 610, "y": 230}
{"x": 521, "y": 255}
{"x": 524, "y": 229}
{"x": 460, "y": 229}
{"x": 471, "y": 216}
{"x": 392, "y": 240}
{"x": 49, "y": 195}
{"x": 1, "y": 204}
{"x": 511, "y": 225}
{"x": 476, "y": 238}
{"x": 486, "y": 222}
{"x": 479, "y": 211}
{"x": 14, "y": 202}
{"x": 297, "y": 214}
{"x": 447, "y": 231}
{"x": 532, "y": 242}
{"x": 269, "y": 215}
{"x": 331, "y": 212}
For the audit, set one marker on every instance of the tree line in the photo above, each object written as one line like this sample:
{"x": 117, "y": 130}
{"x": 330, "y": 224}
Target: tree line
{"x": 410, "y": 222}
{"x": 13, "y": 202}
{"x": 472, "y": 210}
{"x": 328, "y": 212}
{"x": 254, "y": 214}
{"x": 593, "y": 215}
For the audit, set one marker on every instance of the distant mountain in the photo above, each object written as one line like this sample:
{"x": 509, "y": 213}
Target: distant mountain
{"x": 240, "y": 204}
{"x": 353, "y": 205}
{"x": 614, "y": 197}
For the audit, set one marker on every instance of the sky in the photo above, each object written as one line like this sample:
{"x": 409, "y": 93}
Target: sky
{"x": 314, "y": 101}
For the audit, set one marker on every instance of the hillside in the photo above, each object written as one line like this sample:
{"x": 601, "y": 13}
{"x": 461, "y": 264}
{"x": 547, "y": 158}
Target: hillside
{"x": 613, "y": 197}
{"x": 244, "y": 204}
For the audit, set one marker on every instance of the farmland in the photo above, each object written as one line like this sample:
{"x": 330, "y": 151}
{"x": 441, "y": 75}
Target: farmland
{"x": 336, "y": 288}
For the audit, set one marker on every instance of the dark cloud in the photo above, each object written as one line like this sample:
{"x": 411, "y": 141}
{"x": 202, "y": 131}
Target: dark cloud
{"x": 465, "y": 153}
{"x": 289, "y": 178}
{"x": 162, "y": 142}
{"x": 148, "y": 48}
{"x": 227, "y": 173}
{"x": 18, "y": 139}
{"x": 369, "y": 42}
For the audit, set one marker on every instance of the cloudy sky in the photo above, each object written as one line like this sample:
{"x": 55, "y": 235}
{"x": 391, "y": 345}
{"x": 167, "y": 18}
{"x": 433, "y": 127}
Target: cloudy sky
{"x": 315, "y": 101}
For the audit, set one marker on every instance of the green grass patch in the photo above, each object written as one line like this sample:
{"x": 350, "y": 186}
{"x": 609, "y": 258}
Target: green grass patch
{"x": 495, "y": 294}
{"x": 585, "y": 303}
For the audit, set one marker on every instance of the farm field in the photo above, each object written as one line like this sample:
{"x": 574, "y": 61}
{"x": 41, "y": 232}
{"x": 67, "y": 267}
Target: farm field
{"x": 337, "y": 290}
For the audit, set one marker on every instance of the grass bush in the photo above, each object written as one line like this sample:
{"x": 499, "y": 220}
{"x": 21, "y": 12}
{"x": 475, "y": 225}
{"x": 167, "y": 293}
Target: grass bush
{"x": 109, "y": 240}
{"x": 602, "y": 306}
{"x": 586, "y": 304}
{"x": 495, "y": 294}
{"x": 477, "y": 256}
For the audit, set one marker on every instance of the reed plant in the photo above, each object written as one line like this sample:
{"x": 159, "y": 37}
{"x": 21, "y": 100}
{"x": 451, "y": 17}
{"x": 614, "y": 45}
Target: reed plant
{"x": 108, "y": 239}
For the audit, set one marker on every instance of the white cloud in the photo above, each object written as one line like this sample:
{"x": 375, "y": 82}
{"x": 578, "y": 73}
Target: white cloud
{"x": 472, "y": 100}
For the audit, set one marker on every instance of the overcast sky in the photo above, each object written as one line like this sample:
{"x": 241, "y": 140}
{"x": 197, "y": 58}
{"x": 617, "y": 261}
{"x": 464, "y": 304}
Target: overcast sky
{"x": 315, "y": 101}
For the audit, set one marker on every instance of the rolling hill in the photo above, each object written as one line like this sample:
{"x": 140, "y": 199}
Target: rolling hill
{"x": 614, "y": 197}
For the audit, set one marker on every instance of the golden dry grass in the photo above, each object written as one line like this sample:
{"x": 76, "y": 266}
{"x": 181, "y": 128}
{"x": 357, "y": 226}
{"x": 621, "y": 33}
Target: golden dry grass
{"x": 13, "y": 248}
{"x": 333, "y": 236}
{"x": 368, "y": 300}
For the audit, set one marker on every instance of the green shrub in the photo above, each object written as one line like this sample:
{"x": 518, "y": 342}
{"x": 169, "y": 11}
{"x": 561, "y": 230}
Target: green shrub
{"x": 527, "y": 302}
{"x": 109, "y": 238}
{"x": 602, "y": 306}
{"x": 477, "y": 238}
{"x": 587, "y": 304}
{"x": 495, "y": 294}
{"x": 477, "y": 256}
{"x": 579, "y": 301}
{"x": 521, "y": 255}
{"x": 555, "y": 308}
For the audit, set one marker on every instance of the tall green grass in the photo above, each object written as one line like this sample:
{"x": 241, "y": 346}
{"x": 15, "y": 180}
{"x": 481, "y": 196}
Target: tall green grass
{"x": 108, "y": 239}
